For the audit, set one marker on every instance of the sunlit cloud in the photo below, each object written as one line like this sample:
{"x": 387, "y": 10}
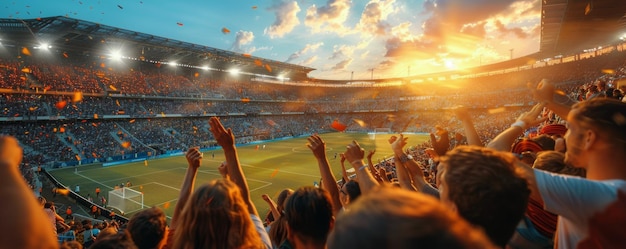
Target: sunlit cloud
{"x": 242, "y": 38}
{"x": 329, "y": 18}
{"x": 340, "y": 51}
{"x": 342, "y": 65}
{"x": 373, "y": 19}
{"x": 309, "y": 61}
{"x": 307, "y": 48}
{"x": 286, "y": 19}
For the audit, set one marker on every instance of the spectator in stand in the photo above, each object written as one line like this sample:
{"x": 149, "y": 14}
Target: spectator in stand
{"x": 116, "y": 241}
{"x": 482, "y": 186}
{"x": 277, "y": 229}
{"x": 590, "y": 210}
{"x": 219, "y": 214}
{"x": 20, "y": 216}
{"x": 148, "y": 228}
{"x": 400, "y": 219}
{"x": 309, "y": 216}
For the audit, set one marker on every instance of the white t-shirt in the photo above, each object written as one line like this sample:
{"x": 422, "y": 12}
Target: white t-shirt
{"x": 576, "y": 200}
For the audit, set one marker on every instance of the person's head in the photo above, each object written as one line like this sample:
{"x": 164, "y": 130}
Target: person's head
{"x": 554, "y": 161}
{"x": 349, "y": 192}
{"x": 309, "y": 215}
{"x": 483, "y": 187}
{"x": 282, "y": 198}
{"x": 114, "y": 241}
{"x": 216, "y": 216}
{"x": 597, "y": 128}
{"x": 148, "y": 227}
{"x": 545, "y": 141}
{"x": 402, "y": 219}
{"x": 278, "y": 229}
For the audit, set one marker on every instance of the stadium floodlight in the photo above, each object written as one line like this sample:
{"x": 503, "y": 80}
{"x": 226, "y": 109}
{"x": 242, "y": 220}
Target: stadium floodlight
{"x": 205, "y": 68}
{"x": 234, "y": 71}
{"x": 280, "y": 77}
{"x": 116, "y": 55}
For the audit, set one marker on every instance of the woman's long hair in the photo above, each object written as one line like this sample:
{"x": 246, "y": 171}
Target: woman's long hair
{"x": 216, "y": 216}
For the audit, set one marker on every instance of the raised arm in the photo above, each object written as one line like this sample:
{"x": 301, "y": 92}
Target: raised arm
{"x": 413, "y": 169}
{"x": 20, "y": 215}
{"x": 504, "y": 140}
{"x": 354, "y": 154}
{"x": 556, "y": 101}
{"x": 442, "y": 145}
{"x": 318, "y": 147}
{"x": 344, "y": 173}
{"x": 194, "y": 157}
{"x": 272, "y": 206}
{"x": 226, "y": 139}
{"x": 468, "y": 125}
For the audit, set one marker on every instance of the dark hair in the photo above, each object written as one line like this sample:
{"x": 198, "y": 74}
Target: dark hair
{"x": 147, "y": 228}
{"x": 309, "y": 213}
{"x": 486, "y": 189}
{"x": 353, "y": 190}
{"x": 545, "y": 141}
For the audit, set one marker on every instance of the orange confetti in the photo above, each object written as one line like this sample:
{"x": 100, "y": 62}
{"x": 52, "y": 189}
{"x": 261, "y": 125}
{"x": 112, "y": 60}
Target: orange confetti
{"x": 78, "y": 96}
{"x": 258, "y": 63}
{"x": 179, "y": 24}
{"x": 117, "y": 102}
{"x": 196, "y": 74}
{"x": 608, "y": 71}
{"x": 131, "y": 121}
{"x": 77, "y": 157}
{"x": 25, "y": 51}
{"x": 95, "y": 116}
{"x": 274, "y": 173}
{"x": 145, "y": 163}
{"x": 560, "y": 92}
{"x": 338, "y": 126}
{"x": 166, "y": 205}
{"x": 65, "y": 55}
{"x": 225, "y": 31}
{"x": 32, "y": 108}
{"x": 62, "y": 130}
{"x": 113, "y": 87}
{"x": 268, "y": 68}
{"x": 254, "y": 7}
{"x": 38, "y": 18}
{"x": 245, "y": 100}
{"x": 359, "y": 122}
{"x": 247, "y": 55}
{"x": 126, "y": 144}
{"x": 26, "y": 70}
{"x": 102, "y": 65}
{"x": 94, "y": 154}
{"x": 94, "y": 124}
{"x": 496, "y": 110}
{"x": 61, "y": 104}
{"x": 63, "y": 191}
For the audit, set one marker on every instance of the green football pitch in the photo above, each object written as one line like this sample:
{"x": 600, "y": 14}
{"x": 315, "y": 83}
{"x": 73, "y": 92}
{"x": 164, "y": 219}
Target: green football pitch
{"x": 275, "y": 165}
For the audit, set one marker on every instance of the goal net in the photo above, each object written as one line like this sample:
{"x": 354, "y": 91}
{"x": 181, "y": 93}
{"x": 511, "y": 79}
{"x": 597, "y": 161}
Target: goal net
{"x": 372, "y": 135}
{"x": 125, "y": 199}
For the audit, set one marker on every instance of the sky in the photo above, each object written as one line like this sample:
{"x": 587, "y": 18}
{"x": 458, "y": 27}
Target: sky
{"x": 341, "y": 39}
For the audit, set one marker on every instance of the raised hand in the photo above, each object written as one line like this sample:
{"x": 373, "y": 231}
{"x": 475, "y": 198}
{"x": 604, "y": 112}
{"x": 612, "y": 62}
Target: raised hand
{"x": 343, "y": 158}
{"x": 370, "y": 154}
{"x": 266, "y": 198}
{"x": 441, "y": 146}
{"x": 10, "y": 151}
{"x": 354, "y": 154}
{"x": 397, "y": 144}
{"x": 194, "y": 156}
{"x": 224, "y": 137}
{"x": 543, "y": 91}
{"x": 317, "y": 146}
{"x": 531, "y": 118}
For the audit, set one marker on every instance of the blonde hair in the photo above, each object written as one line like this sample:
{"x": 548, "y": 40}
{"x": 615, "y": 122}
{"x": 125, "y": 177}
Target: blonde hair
{"x": 216, "y": 216}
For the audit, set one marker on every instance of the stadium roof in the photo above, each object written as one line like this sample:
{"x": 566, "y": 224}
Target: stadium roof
{"x": 571, "y": 26}
{"x": 69, "y": 34}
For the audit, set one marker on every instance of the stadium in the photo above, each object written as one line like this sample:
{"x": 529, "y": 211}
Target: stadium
{"x": 88, "y": 118}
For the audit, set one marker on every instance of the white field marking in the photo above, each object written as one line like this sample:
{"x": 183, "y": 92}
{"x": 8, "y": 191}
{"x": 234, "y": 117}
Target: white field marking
{"x": 118, "y": 179}
{"x": 81, "y": 175}
{"x": 167, "y": 186}
{"x": 298, "y": 150}
{"x": 289, "y": 172}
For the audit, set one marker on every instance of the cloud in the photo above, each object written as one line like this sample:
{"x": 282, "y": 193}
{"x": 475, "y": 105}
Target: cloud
{"x": 373, "y": 19}
{"x": 309, "y": 61}
{"x": 307, "y": 48}
{"x": 341, "y": 51}
{"x": 330, "y": 17}
{"x": 504, "y": 30}
{"x": 242, "y": 38}
{"x": 286, "y": 19}
{"x": 342, "y": 65}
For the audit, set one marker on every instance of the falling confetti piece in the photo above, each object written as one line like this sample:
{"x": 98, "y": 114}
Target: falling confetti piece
{"x": 113, "y": 87}
{"x": 26, "y": 70}
{"x": 25, "y": 51}
{"x": 162, "y": 114}
{"x": 94, "y": 154}
{"x": 608, "y": 71}
{"x": 496, "y": 110}
{"x": 247, "y": 55}
{"x": 78, "y": 96}
{"x": 120, "y": 6}
{"x": 38, "y": 18}
{"x": 65, "y": 55}
{"x": 258, "y": 62}
{"x": 560, "y": 92}
{"x": 145, "y": 163}
{"x": 78, "y": 157}
{"x": 359, "y": 122}
{"x": 338, "y": 126}
{"x": 196, "y": 74}
{"x": 117, "y": 102}
{"x": 62, "y": 130}
{"x": 225, "y": 31}
{"x": 131, "y": 121}
{"x": 245, "y": 100}
{"x": 166, "y": 205}
{"x": 32, "y": 108}
{"x": 179, "y": 24}
{"x": 95, "y": 116}
{"x": 254, "y": 7}
{"x": 268, "y": 68}
{"x": 126, "y": 144}
{"x": 61, "y": 104}
{"x": 102, "y": 65}
{"x": 94, "y": 124}
{"x": 63, "y": 191}
{"x": 274, "y": 173}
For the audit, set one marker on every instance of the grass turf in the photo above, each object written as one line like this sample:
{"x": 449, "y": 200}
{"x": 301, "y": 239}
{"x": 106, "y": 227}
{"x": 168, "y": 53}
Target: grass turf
{"x": 281, "y": 164}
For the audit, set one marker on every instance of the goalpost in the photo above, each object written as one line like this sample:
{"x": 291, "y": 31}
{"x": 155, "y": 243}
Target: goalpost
{"x": 126, "y": 200}
{"x": 372, "y": 135}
